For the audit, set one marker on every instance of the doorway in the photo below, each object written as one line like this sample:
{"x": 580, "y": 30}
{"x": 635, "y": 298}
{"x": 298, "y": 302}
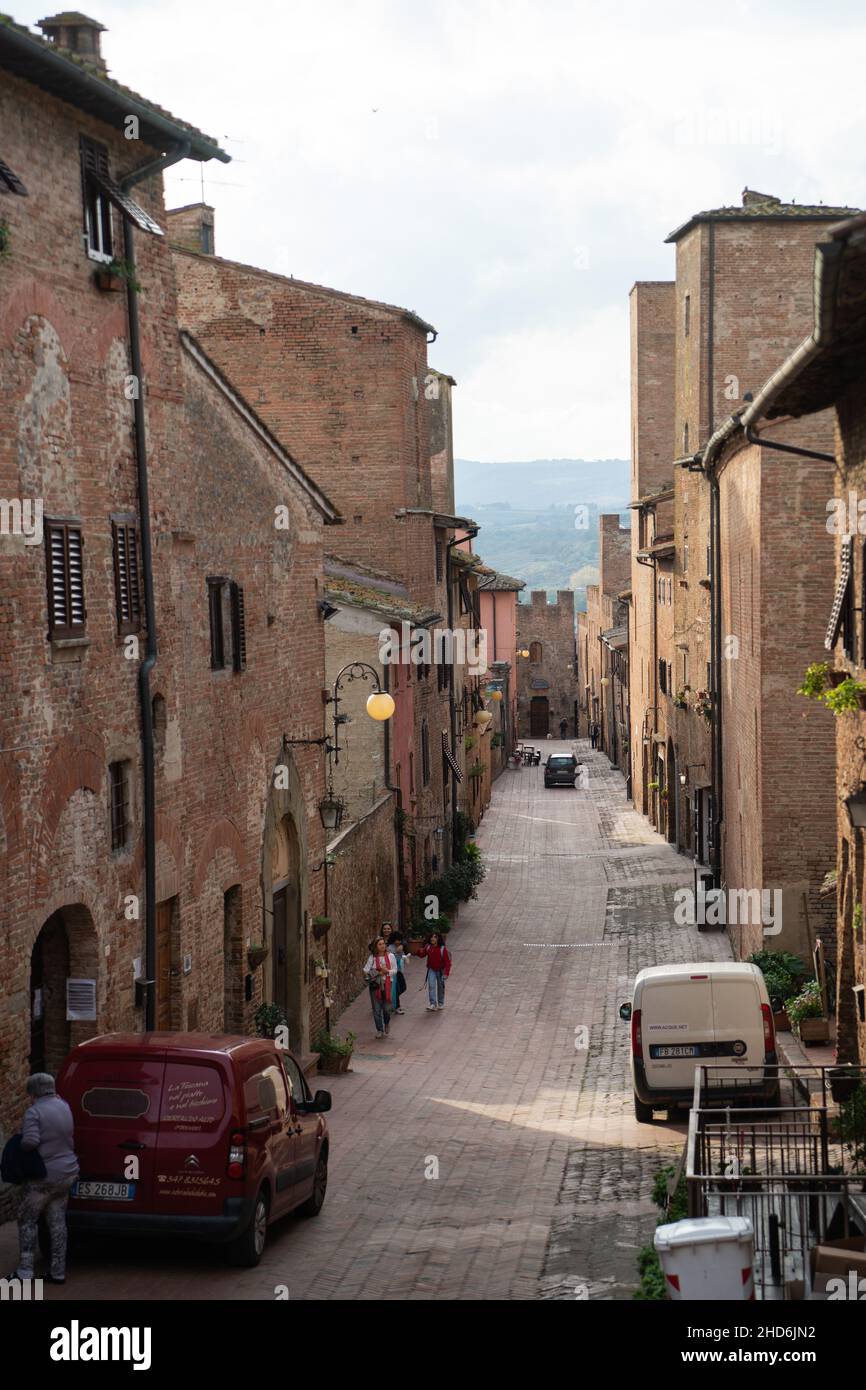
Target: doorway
{"x": 539, "y": 716}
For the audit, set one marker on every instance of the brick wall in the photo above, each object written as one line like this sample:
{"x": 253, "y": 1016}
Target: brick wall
{"x": 362, "y": 889}
{"x": 551, "y": 625}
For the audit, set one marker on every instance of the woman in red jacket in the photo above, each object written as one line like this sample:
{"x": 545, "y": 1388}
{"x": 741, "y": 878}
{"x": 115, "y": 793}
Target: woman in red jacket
{"x": 438, "y": 970}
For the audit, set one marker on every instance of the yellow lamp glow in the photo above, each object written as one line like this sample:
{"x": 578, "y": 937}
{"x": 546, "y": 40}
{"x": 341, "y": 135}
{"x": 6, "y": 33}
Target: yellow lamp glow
{"x": 525, "y": 651}
{"x": 496, "y": 695}
{"x": 380, "y": 705}
{"x": 483, "y": 718}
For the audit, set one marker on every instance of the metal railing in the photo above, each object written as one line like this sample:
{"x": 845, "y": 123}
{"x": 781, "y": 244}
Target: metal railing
{"x": 792, "y": 1168}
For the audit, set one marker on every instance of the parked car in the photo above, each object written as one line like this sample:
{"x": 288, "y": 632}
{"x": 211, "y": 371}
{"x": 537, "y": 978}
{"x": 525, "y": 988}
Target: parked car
{"x": 560, "y": 770}
{"x": 209, "y": 1136}
{"x": 714, "y": 1012}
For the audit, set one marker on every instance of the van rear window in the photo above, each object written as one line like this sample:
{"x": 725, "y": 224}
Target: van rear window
{"x": 115, "y": 1103}
{"x": 192, "y": 1095}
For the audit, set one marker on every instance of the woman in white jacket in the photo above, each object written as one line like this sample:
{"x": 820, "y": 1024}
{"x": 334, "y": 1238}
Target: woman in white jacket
{"x": 379, "y": 971}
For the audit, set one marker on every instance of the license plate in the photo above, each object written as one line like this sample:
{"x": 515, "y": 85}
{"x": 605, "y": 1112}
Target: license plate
{"x": 104, "y": 1191}
{"x": 684, "y": 1051}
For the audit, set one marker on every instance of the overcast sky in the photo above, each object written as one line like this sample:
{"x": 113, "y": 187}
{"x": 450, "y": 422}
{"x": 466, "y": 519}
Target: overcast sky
{"x": 507, "y": 169}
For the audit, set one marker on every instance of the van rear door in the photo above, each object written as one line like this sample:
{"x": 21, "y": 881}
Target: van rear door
{"x": 115, "y": 1106}
{"x": 195, "y": 1122}
{"x": 676, "y": 1018}
{"x": 737, "y": 1021}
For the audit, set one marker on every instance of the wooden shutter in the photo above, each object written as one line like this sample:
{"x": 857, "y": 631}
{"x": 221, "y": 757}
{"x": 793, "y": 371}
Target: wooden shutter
{"x": 215, "y": 610}
{"x": 127, "y": 581}
{"x": 239, "y": 629}
{"x": 65, "y": 573}
{"x": 840, "y": 612}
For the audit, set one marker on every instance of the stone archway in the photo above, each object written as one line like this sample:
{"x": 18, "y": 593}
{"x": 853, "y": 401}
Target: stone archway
{"x": 66, "y": 949}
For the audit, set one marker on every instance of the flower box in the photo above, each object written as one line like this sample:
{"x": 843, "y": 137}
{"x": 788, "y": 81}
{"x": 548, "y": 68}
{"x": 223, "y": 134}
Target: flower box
{"x": 813, "y": 1030}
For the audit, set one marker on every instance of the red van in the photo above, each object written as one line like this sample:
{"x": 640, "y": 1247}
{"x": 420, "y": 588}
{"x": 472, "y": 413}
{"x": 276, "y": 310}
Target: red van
{"x": 210, "y": 1136}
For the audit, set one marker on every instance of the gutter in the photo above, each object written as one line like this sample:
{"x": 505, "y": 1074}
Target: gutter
{"x": 151, "y": 649}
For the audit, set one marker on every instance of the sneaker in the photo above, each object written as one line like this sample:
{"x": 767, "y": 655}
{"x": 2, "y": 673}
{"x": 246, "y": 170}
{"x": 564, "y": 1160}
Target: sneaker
{"x": 441, "y": 1006}
{"x": 379, "y": 1035}
{"x": 431, "y": 1008}
{"x": 399, "y": 1011}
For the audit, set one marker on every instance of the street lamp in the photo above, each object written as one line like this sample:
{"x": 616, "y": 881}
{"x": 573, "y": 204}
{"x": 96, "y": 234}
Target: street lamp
{"x": 380, "y": 705}
{"x": 331, "y": 809}
{"x": 524, "y": 651}
{"x": 855, "y": 805}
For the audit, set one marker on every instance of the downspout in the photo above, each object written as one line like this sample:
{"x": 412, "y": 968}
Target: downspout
{"x": 452, "y": 702}
{"x": 715, "y": 580}
{"x": 398, "y": 818}
{"x": 151, "y": 649}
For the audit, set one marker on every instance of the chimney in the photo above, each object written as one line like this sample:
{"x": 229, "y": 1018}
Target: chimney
{"x": 76, "y": 34}
{"x": 751, "y": 198}
{"x": 192, "y": 227}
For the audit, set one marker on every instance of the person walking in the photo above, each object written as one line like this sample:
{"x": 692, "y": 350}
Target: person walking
{"x": 438, "y": 969}
{"x": 47, "y": 1130}
{"x": 380, "y": 969}
{"x": 398, "y": 950}
{"x": 593, "y": 734}
{"x": 563, "y": 728}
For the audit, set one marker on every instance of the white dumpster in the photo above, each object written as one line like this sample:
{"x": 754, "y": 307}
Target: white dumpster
{"x": 708, "y": 1257}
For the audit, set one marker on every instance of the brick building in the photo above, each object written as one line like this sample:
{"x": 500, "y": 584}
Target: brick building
{"x": 156, "y": 819}
{"x": 823, "y": 374}
{"x": 729, "y": 558}
{"x": 547, "y": 678}
{"x": 604, "y": 673}
{"x": 497, "y": 594}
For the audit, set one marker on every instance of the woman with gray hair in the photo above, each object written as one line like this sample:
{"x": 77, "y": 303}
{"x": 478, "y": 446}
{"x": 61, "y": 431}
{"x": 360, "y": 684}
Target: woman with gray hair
{"x": 47, "y": 1130}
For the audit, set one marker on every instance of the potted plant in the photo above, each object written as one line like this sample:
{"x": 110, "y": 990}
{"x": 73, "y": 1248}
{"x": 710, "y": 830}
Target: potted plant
{"x": 476, "y": 770}
{"x": 783, "y": 974}
{"x": 116, "y": 276}
{"x": 704, "y": 705}
{"x": 268, "y": 1018}
{"x": 844, "y": 1081}
{"x": 321, "y": 927}
{"x": 335, "y": 1052}
{"x": 653, "y": 786}
{"x": 321, "y": 967}
{"x": 681, "y": 698}
{"x": 806, "y": 1012}
{"x": 469, "y": 742}
{"x": 257, "y": 954}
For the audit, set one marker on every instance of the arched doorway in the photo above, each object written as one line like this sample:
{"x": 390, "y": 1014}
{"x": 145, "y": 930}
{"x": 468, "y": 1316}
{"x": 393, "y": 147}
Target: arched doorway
{"x": 539, "y": 716}
{"x": 286, "y": 927}
{"x": 63, "y": 987}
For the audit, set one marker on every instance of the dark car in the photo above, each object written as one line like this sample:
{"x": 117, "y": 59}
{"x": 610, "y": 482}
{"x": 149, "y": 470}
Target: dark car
{"x": 208, "y": 1136}
{"x": 560, "y": 770}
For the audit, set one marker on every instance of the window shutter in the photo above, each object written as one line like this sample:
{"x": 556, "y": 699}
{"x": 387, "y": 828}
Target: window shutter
{"x": 65, "y": 567}
{"x": 81, "y": 1001}
{"x": 215, "y": 611}
{"x": 839, "y": 611}
{"x": 239, "y": 629}
{"x": 126, "y": 576}
{"x": 10, "y": 182}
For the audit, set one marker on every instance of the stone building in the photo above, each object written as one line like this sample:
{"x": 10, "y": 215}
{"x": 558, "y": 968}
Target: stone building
{"x": 547, "y": 678}
{"x": 605, "y": 656}
{"x": 159, "y": 779}
{"x": 824, "y": 374}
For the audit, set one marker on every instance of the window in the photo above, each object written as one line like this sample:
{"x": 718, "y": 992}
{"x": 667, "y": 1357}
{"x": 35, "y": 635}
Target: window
{"x": 127, "y": 588}
{"x": 97, "y": 204}
{"x": 425, "y": 753}
{"x": 65, "y": 569}
{"x": 686, "y": 437}
{"x": 535, "y": 651}
{"x": 100, "y": 193}
{"x": 297, "y": 1088}
{"x": 118, "y": 777}
{"x": 685, "y": 559}
{"x": 439, "y": 565}
{"x": 685, "y": 668}
{"x": 465, "y": 595}
{"x": 687, "y": 314}
{"x": 215, "y": 608}
{"x": 663, "y": 683}
{"x": 227, "y": 615}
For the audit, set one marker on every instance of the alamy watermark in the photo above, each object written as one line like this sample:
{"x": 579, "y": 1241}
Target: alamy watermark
{"x": 22, "y": 516}
{"x": 718, "y": 907}
{"x": 441, "y": 647}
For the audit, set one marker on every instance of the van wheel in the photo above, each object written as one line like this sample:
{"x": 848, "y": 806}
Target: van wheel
{"x": 315, "y": 1202}
{"x": 246, "y": 1250}
{"x": 643, "y": 1113}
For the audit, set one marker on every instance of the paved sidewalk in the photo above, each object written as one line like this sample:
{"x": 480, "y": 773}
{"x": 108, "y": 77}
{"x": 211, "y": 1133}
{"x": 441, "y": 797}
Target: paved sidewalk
{"x": 543, "y": 1172}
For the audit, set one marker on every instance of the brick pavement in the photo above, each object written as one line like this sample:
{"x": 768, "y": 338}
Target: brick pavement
{"x": 543, "y": 1172}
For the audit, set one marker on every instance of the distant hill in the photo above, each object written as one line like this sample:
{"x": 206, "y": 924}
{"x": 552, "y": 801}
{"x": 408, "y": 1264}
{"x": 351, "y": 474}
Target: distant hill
{"x": 530, "y": 523}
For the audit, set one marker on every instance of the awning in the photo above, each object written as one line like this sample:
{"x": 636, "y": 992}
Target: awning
{"x": 450, "y": 759}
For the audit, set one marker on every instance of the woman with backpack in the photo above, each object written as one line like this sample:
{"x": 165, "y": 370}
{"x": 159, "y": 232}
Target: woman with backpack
{"x": 379, "y": 971}
{"x": 438, "y": 960}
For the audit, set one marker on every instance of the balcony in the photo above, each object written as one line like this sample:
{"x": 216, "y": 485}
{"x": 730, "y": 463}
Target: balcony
{"x": 797, "y": 1170}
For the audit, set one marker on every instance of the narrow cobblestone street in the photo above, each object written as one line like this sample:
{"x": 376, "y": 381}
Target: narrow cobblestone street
{"x": 544, "y": 1173}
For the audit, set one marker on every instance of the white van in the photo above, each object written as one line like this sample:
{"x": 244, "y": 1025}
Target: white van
{"x": 715, "y": 1012}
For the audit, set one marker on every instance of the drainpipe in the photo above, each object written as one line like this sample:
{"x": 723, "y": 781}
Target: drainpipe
{"x": 151, "y": 651}
{"x": 452, "y": 702}
{"x": 398, "y": 819}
